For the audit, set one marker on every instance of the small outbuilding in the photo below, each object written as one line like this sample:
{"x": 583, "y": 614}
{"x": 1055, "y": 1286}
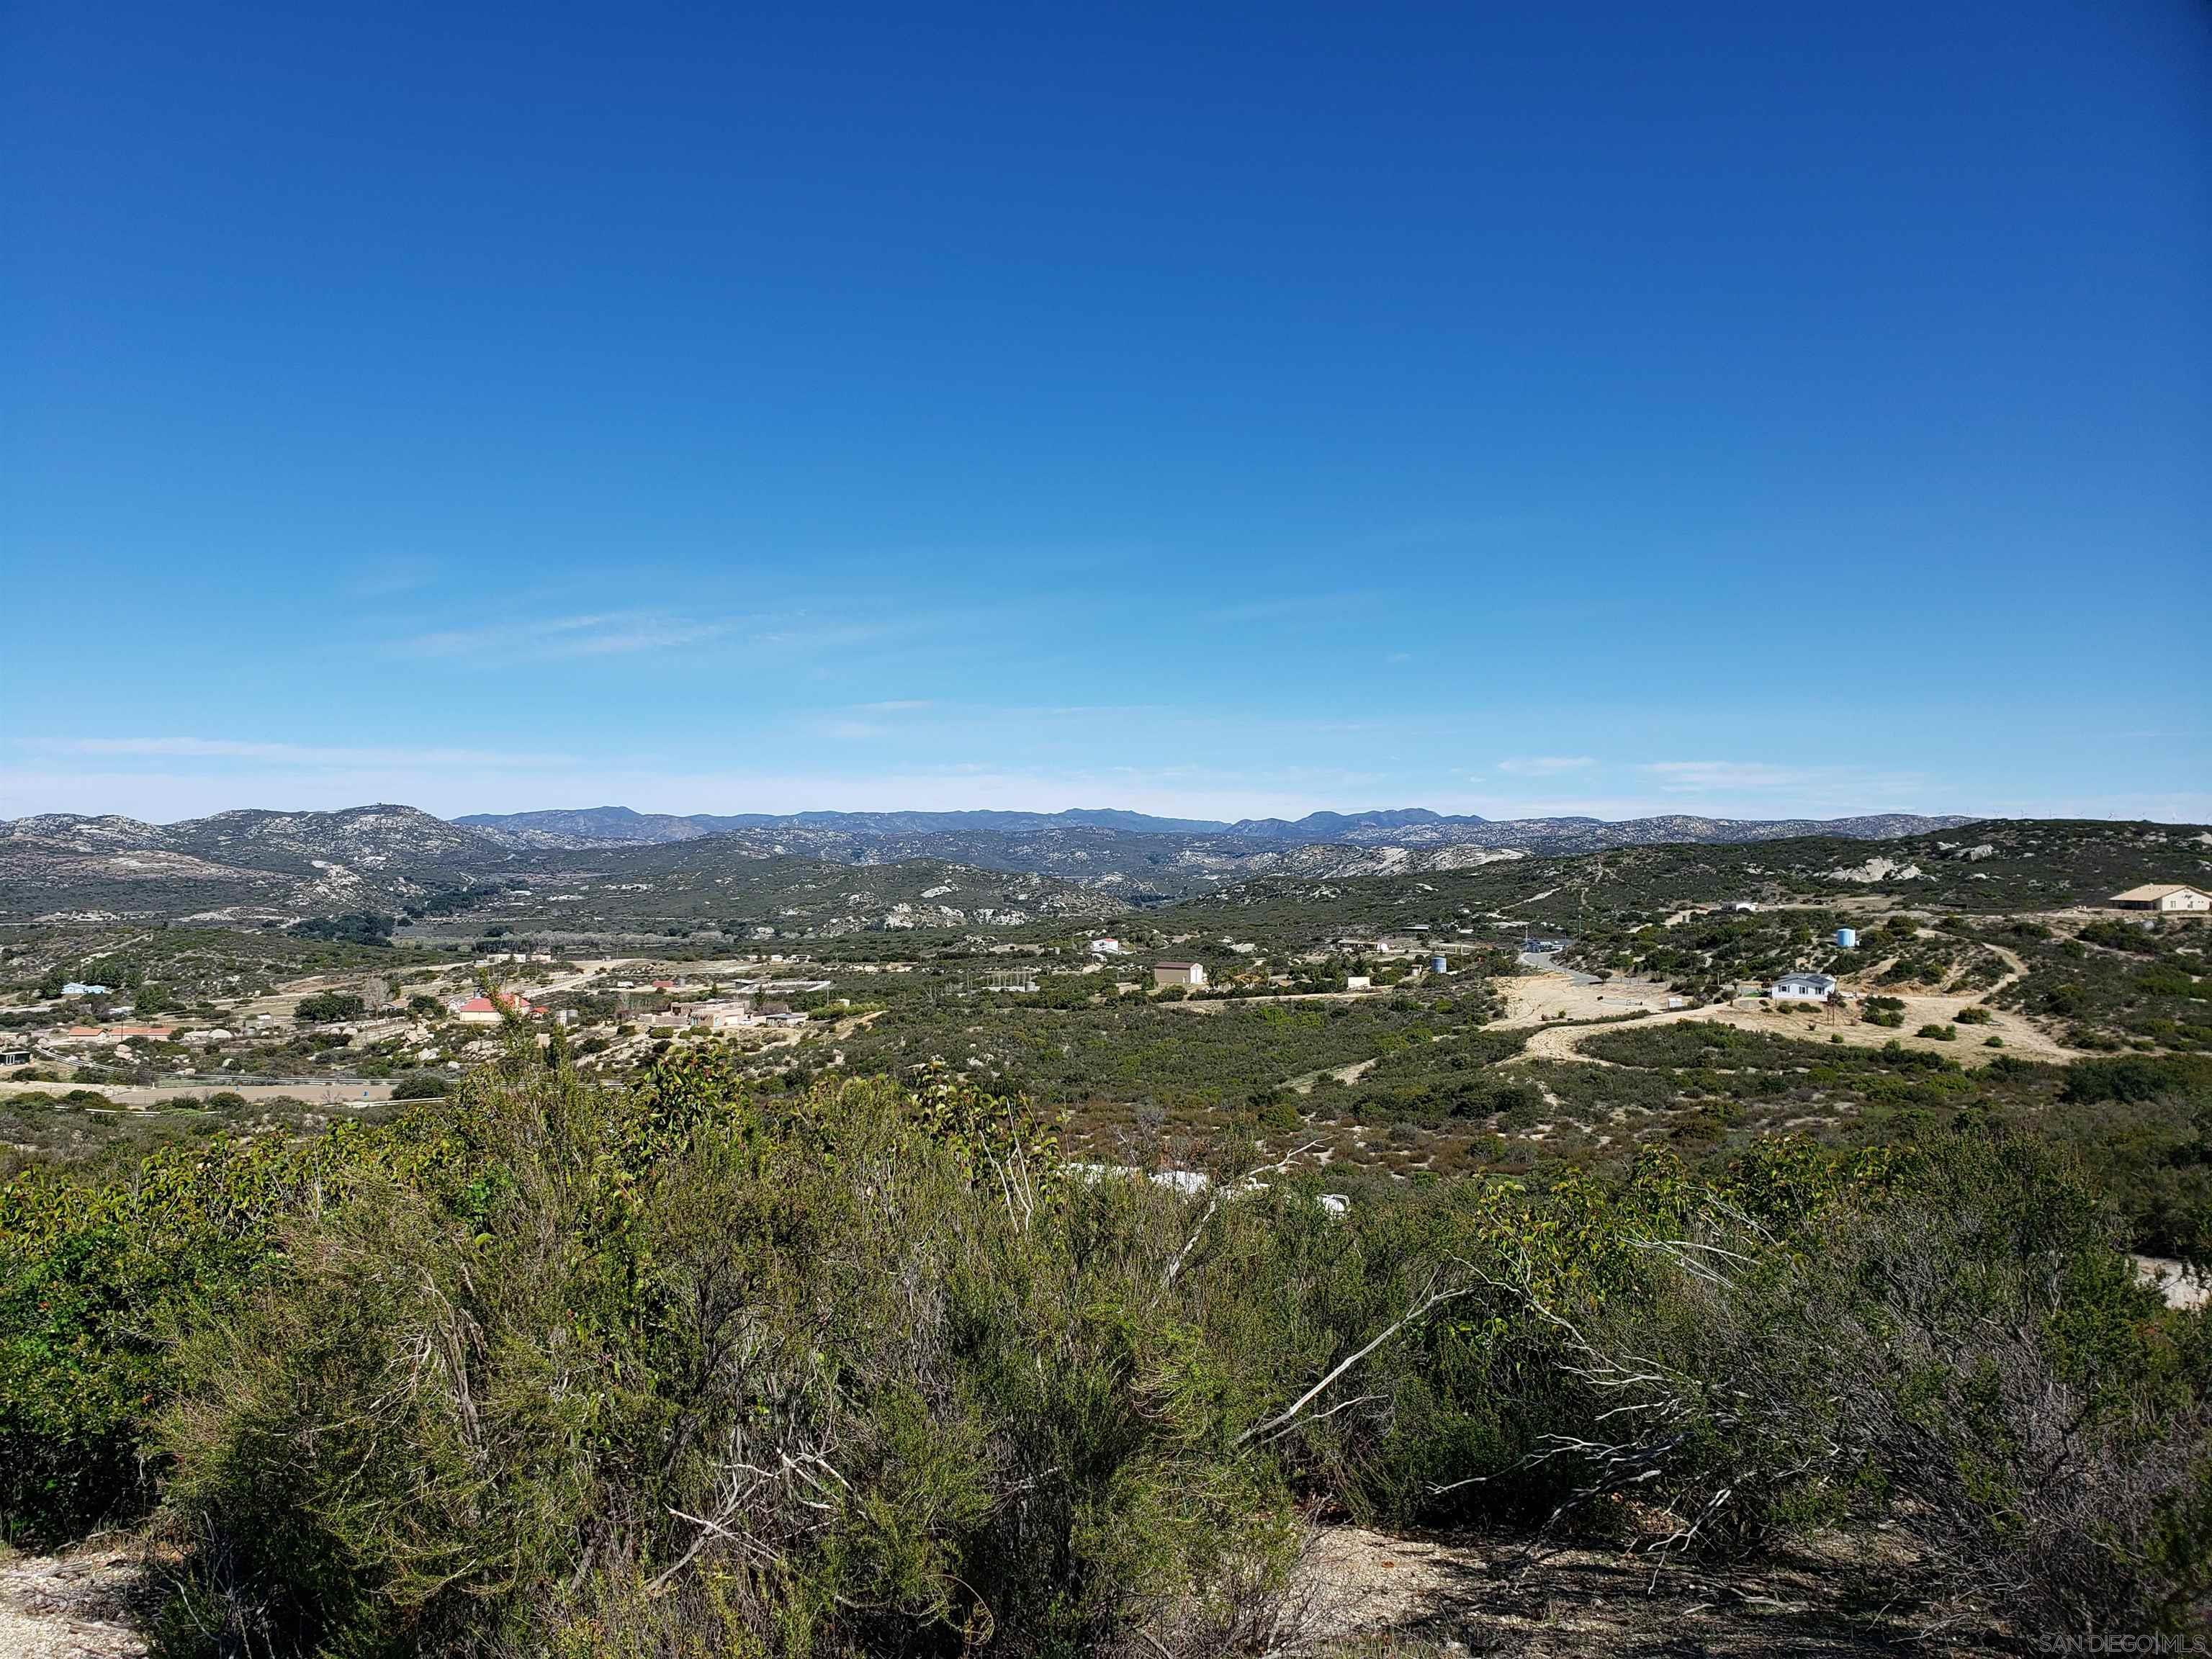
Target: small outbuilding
{"x": 2165, "y": 900}
{"x": 1165, "y": 974}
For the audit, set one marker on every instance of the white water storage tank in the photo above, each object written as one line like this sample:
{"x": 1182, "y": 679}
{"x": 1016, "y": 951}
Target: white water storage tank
{"x": 1847, "y": 939}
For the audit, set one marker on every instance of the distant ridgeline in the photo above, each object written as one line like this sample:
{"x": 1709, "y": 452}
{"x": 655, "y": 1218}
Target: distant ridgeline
{"x": 826, "y": 874}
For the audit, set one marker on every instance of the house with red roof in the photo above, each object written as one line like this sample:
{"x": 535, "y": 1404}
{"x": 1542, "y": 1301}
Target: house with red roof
{"x": 487, "y": 1010}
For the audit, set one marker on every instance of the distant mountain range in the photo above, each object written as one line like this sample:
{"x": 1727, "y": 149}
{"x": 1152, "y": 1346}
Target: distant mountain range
{"x": 265, "y": 866}
{"x": 610, "y": 871}
{"x": 619, "y": 826}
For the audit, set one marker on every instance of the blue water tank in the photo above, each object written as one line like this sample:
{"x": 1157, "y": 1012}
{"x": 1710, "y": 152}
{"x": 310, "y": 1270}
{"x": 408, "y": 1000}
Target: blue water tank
{"x": 1847, "y": 939}
{"x": 1438, "y": 965}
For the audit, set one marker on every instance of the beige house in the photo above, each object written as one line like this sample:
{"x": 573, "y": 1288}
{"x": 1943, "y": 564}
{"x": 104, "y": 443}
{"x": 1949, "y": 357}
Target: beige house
{"x": 483, "y": 1010}
{"x": 734, "y": 1015}
{"x": 720, "y": 1015}
{"x": 2165, "y": 900}
{"x": 1165, "y": 974}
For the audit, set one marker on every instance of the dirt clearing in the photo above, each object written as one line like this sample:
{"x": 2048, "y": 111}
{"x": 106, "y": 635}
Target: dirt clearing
{"x": 84, "y": 1604}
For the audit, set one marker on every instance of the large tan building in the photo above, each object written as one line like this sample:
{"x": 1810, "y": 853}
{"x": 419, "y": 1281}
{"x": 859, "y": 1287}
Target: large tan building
{"x": 485, "y": 1011}
{"x": 1165, "y": 974}
{"x": 2165, "y": 900}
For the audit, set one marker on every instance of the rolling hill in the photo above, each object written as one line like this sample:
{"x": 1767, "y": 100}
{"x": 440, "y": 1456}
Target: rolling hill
{"x": 238, "y": 865}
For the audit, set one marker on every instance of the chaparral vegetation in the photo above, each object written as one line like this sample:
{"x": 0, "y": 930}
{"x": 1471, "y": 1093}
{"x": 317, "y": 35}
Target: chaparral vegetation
{"x": 683, "y": 1365}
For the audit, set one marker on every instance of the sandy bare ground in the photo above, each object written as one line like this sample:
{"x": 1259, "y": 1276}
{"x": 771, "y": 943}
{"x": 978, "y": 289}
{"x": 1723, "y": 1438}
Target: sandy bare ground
{"x": 1346, "y": 1074}
{"x": 1535, "y": 998}
{"x": 83, "y": 1604}
{"x": 1532, "y": 998}
{"x": 1359, "y": 1592}
{"x": 2174, "y": 1281}
{"x": 1368, "y": 1593}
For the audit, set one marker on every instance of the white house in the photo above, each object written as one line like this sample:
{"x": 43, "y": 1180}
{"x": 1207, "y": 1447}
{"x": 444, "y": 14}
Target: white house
{"x": 1105, "y": 947}
{"x": 1803, "y": 987}
{"x": 1165, "y": 974}
{"x": 2165, "y": 900}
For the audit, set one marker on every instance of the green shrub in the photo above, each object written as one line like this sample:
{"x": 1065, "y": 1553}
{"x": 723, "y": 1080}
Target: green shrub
{"x": 96, "y": 1279}
{"x": 1955, "y": 1345}
{"x": 550, "y": 1368}
{"x": 328, "y": 1007}
{"x": 2137, "y": 1079}
{"x": 680, "y": 1373}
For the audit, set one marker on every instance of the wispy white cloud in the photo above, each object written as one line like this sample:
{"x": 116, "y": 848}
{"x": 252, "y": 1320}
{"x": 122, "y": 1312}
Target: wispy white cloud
{"x": 1698, "y": 777}
{"x": 1764, "y": 789}
{"x": 555, "y": 638}
{"x": 1544, "y": 766}
{"x": 289, "y": 754}
{"x": 384, "y": 579}
{"x": 794, "y": 636}
{"x": 1291, "y": 607}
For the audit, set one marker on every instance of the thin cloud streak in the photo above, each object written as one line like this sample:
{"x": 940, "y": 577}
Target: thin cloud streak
{"x": 1870, "y": 789}
{"x": 792, "y": 634}
{"x": 293, "y": 754}
{"x": 1700, "y": 776}
{"x": 558, "y": 638}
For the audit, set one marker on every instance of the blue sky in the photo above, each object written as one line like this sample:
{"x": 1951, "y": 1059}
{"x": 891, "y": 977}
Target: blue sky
{"x": 1747, "y": 408}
